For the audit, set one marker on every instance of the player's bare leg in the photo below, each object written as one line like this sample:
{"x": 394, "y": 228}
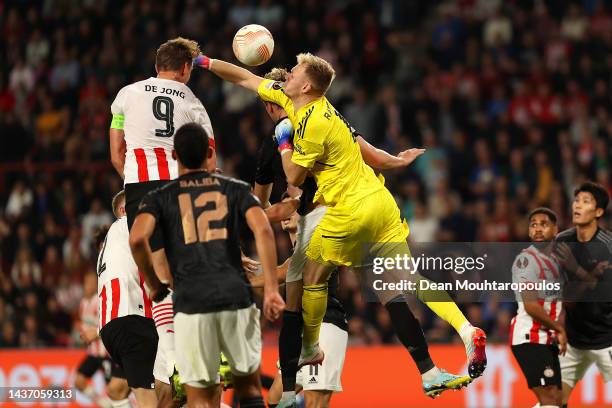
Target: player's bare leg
{"x": 118, "y": 391}
{"x": 317, "y": 399}
{"x": 248, "y": 390}
{"x": 566, "y": 391}
{"x": 81, "y": 382}
{"x": 203, "y": 397}
{"x": 549, "y": 395}
{"x": 314, "y": 305}
{"x": 164, "y": 395}
{"x": 146, "y": 397}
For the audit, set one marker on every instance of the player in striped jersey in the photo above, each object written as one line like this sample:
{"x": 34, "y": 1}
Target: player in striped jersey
{"x": 537, "y": 337}
{"x": 146, "y": 115}
{"x": 126, "y": 327}
{"x": 585, "y": 252}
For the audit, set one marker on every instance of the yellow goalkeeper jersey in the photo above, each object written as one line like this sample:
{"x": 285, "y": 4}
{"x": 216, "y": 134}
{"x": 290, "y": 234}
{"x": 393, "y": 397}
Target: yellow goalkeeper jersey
{"x": 325, "y": 143}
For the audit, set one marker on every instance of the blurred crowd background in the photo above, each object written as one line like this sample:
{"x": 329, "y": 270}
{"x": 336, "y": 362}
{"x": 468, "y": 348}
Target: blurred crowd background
{"x": 512, "y": 101}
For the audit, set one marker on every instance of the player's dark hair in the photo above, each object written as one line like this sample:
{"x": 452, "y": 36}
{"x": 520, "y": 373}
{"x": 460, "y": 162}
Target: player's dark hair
{"x": 174, "y": 54}
{"x": 99, "y": 236}
{"x": 598, "y": 191}
{"x": 191, "y": 145}
{"x": 546, "y": 211}
{"x": 116, "y": 203}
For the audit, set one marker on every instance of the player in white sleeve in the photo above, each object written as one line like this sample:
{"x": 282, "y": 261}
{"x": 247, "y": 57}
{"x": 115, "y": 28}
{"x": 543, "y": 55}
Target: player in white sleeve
{"x": 146, "y": 115}
{"x": 537, "y": 337}
{"x": 126, "y": 327}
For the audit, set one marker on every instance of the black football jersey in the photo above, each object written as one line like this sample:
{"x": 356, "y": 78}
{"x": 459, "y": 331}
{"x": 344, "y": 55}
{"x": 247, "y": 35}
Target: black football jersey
{"x": 589, "y": 320}
{"x": 200, "y": 215}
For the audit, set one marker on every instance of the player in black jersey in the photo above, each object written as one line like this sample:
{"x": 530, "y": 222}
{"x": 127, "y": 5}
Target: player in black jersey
{"x": 585, "y": 252}
{"x": 199, "y": 215}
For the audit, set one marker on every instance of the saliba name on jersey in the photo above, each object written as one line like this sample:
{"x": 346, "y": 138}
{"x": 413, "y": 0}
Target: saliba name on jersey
{"x": 166, "y": 91}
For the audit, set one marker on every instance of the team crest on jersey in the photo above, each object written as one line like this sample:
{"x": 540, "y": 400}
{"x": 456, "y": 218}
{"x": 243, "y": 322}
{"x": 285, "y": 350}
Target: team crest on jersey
{"x": 278, "y": 85}
{"x": 522, "y": 262}
{"x": 549, "y": 372}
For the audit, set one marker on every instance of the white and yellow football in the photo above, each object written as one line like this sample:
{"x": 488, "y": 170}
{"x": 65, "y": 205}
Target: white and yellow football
{"x": 253, "y": 45}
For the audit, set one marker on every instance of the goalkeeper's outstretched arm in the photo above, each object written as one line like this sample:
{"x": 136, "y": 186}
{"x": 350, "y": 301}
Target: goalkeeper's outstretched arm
{"x": 230, "y": 72}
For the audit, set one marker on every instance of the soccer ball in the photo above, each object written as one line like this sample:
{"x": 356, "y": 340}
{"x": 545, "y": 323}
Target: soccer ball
{"x": 253, "y": 45}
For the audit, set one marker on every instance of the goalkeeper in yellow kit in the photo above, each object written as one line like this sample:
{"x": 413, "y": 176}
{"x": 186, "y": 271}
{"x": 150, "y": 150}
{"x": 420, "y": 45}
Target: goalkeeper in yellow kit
{"x": 360, "y": 210}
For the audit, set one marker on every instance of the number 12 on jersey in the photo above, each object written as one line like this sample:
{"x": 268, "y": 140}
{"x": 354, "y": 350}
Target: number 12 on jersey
{"x": 200, "y": 230}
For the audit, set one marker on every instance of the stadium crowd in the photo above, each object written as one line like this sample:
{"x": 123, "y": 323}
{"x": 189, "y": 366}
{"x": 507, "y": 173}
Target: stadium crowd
{"x": 511, "y": 99}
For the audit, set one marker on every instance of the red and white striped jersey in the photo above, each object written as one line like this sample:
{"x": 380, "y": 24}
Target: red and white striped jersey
{"x": 163, "y": 315}
{"x": 121, "y": 288}
{"x": 153, "y": 109}
{"x": 531, "y": 265}
{"x": 88, "y": 312}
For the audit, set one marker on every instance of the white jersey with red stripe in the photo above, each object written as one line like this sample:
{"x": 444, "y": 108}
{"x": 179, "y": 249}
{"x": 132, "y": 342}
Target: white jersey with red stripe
{"x": 163, "y": 315}
{"x": 120, "y": 287}
{"x": 532, "y": 265}
{"x": 88, "y": 312}
{"x": 153, "y": 109}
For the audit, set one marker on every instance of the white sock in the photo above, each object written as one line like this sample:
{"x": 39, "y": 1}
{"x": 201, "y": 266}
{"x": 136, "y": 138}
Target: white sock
{"x": 124, "y": 403}
{"x": 287, "y": 395}
{"x": 537, "y": 405}
{"x": 547, "y": 406}
{"x": 431, "y": 375}
{"x": 465, "y": 332}
{"x": 104, "y": 402}
{"x": 90, "y": 393}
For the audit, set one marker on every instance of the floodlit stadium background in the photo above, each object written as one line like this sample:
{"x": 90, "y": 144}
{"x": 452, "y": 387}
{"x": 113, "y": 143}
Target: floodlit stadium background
{"x": 513, "y": 105}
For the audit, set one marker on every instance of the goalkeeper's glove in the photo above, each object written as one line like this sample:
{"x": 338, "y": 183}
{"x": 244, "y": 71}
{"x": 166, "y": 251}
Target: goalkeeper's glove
{"x": 283, "y": 135}
{"x": 203, "y": 61}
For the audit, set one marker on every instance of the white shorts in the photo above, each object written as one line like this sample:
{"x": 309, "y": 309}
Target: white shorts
{"x": 326, "y": 377}
{"x": 202, "y": 337}
{"x": 575, "y": 363}
{"x": 305, "y": 227}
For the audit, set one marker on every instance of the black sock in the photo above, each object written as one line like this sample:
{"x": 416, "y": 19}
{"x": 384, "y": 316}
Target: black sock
{"x": 272, "y": 405}
{"x": 253, "y": 402}
{"x": 564, "y": 405}
{"x": 266, "y": 381}
{"x": 289, "y": 347}
{"x": 410, "y": 333}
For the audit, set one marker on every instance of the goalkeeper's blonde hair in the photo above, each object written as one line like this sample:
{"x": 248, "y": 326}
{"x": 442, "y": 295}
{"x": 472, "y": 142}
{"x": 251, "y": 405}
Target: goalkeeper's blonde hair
{"x": 320, "y": 72}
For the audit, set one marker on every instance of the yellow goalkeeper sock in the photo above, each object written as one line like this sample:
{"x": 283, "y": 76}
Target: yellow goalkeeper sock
{"x": 314, "y": 305}
{"x": 442, "y": 305}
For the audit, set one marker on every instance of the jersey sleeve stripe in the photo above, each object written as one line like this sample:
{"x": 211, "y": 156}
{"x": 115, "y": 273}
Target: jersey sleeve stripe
{"x": 103, "y": 300}
{"x": 116, "y": 288}
{"x": 141, "y": 161}
{"x": 553, "y": 317}
{"x": 162, "y": 163}
{"x": 145, "y": 298}
{"x": 534, "y": 333}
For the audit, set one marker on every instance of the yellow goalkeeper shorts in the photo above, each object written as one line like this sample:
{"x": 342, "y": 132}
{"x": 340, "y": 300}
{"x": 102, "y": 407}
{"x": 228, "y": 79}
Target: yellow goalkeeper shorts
{"x": 349, "y": 232}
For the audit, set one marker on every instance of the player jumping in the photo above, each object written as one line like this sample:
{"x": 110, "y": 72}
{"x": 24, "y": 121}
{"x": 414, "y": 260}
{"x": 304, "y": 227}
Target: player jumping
{"x": 360, "y": 210}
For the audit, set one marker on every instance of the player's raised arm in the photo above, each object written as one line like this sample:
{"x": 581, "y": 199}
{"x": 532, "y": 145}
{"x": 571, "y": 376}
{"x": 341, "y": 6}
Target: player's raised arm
{"x": 380, "y": 159}
{"x": 230, "y": 72}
